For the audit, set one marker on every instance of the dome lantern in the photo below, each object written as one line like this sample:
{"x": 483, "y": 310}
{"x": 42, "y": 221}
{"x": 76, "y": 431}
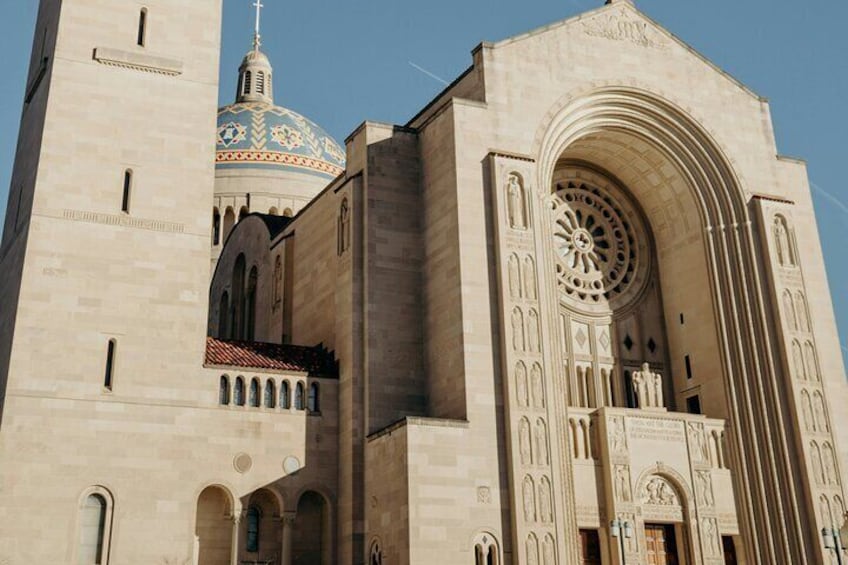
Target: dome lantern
{"x": 255, "y": 82}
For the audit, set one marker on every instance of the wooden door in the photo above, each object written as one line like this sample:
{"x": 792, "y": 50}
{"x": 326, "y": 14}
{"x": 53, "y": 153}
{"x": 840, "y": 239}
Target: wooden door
{"x": 662, "y": 545}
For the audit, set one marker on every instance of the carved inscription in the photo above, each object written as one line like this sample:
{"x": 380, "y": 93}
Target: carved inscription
{"x": 651, "y": 429}
{"x": 123, "y": 220}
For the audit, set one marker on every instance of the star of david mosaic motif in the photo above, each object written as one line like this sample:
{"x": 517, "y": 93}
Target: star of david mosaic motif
{"x": 231, "y": 133}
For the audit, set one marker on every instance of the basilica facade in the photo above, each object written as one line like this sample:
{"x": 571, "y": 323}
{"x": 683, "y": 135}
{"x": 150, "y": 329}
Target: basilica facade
{"x": 574, "y": 311}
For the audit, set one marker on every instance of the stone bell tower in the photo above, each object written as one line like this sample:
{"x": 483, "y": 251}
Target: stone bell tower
{"x": 105, "y": 251}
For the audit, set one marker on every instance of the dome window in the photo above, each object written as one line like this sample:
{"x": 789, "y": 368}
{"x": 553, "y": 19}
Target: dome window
{"x": 248, "y": 77}
{"x": 260, "y": 83}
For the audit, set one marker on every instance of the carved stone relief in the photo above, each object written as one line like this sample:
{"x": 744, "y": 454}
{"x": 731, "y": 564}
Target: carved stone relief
{"x": 824, "y": 508}
{"x": 625, "y": 27}
{"x": 623, "y": 492}
{"x": 820, "y": 414}
{"x": 782, "y": 243}
{"x": 807, "y": 410}
{"x": 542, "y": 442}
{"x": 711, "y": 536}
{"x": 829, "y": 465}
{"x": 618, "y": 438}
{"x": 789, "y": 309}
{"x": 521, "y": 390}
{"x": 697, "y": 441}
{"x": 648, "y": 387}
{"x": 798, "y": 361}
{"x": 529, "y": 494}
{"x": 516, "y": 202}
{"x": 546, "y": 514}
{"x": 530, "y": 278}
{"x": 517, "y": 330}
{"x": 514, "y": 270}
{"x": 537, "y": 385}
{"x": 802, "y": 315}
{"x": 532, "y": 547}
{"x": 524, "y": 442}
{"x": 705, "y": 489}
{"x": 811, "y": 362}
{"x": 818, "y": 466}
{"x": 659, "y": 492}
{"x": 548, "y": 551}
{"x": 533, "y": 332}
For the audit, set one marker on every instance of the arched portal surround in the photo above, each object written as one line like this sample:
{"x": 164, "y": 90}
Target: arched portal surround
{"x": 766, "y": 483}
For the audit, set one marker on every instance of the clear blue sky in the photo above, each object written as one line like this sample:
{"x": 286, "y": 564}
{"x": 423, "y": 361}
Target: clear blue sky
{"x": 340, "y": 62}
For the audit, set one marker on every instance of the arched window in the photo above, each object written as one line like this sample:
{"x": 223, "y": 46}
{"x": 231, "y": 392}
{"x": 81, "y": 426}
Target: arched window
{"x": 287, "y": 213}
{"x": 270, "y": 394}
{"x": 260, "y": 82}
{"x": 238, "y": 392}
{"x": 237, "y": 324}
{"x": 254, "y": 515}
{"x": 243, "y": 213}
{"x": 376, "y": 553}
{"x": 95, "y": 527}
{"x": 254, "y": 392}
{"x": 224, "y": 391}
{"x": 250, "y": 305}
{"x": 142, "y": 27}
{"x": 278, "y": 280}
{"x": 344, "y": 227}
{"x": 298, "y": 397}
{"x": 223, "y": 316}
{"x": 273, "y": 211}
{"x": 285, "y": 395}
{"x": 216, "y": 227}
{"x": 312, "y": 402}
{"x": 125, "y": 199}
{"x": 248, "y": 76}
{"x": 111, "y": 350}
{"x": 229, "y": 222}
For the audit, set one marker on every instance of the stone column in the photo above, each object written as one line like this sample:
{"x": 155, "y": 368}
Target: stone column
{"x": 234, "y": 544}
{"x": 288, "y": 525}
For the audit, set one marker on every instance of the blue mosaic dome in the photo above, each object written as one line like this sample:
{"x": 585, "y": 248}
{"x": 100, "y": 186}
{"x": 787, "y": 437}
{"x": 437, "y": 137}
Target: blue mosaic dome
{"x": 262, "y": 135}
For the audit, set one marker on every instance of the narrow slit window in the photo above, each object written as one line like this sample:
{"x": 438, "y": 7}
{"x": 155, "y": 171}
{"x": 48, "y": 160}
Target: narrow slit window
{"x": 312, "y": 400}
{"x": 298, "y": 397}
{"x": 248, "y": 76}
{"x": 224, "y": 392}
{"x": 285, "y": 398}
{"x": 688, "y": 362}
{"x": 142, "y": 27}
{"x": 125, "y": 200}
{"x": 260, "y": 82}
{"x": 110, "y": 364}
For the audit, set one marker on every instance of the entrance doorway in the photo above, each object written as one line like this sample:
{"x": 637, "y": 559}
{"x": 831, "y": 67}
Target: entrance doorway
{"x": 662, "y": 544}
{"x": 590, "y": 547}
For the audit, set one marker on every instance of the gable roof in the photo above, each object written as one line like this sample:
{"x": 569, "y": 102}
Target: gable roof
{"x": 315, "y": 361}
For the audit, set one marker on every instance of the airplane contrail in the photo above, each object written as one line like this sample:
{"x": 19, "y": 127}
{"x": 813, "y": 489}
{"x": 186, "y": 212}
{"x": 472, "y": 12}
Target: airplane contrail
{"x": 429, "y": 74}
{"x": 833, "y": 199}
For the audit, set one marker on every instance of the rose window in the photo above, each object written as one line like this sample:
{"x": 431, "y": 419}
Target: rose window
{"x": 599, "y": 255}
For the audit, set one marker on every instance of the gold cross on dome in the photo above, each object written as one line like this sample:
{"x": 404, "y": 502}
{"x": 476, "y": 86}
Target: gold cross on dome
{"x": 258, "y": 5}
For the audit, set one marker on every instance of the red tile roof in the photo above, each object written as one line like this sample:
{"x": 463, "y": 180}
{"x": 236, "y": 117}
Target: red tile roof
{"x": 316, "y": 361}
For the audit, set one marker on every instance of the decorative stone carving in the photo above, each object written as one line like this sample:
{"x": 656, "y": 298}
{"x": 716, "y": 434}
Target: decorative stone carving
{"x": 524, "y": 445}
{"x": 538, "y": 386}
{"x": 798, "y": 361}
{"x": 711, "y": 537}
{"x": 484, "y": 495}
{"x": 529, "y": 494}
{"x": 622, "y": 483}
{"x": 530, "y": 278}
{"x": 546, "y": 513}
{"x": 818, "y": 466}
{"x": 824, "y": 509}
{"x": 542, "y": 442}
{"x": 533, "y": 332}
{"x": 811, "y": 362}
{"x": 618, "y": 439}
{"x": 830, "y": 475}
{"x": 548, "y": 551}
{"x": 705, "y": 488}
{"x": 648, "y": 387}
{"x": 516, "y": 202}
{"x": 625, "y": 27}
{"x": 697, "y": 441}
{"x": 521, "y": 390}
{"x": 532, "y": 546}
{"x": 517, "y": 330}
{"x": 789, "y": 309}
{"x": 802, "y": 315}
{"x": 659, "y": 492}
{"x": 782, "y": 244}
{"x": 514, "y": 276}
{"x": 820, "y": 414}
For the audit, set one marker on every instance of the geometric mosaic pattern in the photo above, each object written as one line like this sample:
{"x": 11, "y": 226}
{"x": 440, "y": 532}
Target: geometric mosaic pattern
{"x": 257, "y": 134}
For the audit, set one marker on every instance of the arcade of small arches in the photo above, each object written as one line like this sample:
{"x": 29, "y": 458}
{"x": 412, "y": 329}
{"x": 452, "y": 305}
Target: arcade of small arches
{"x": 222, "y": 225}
{"x": 299, "y": 396}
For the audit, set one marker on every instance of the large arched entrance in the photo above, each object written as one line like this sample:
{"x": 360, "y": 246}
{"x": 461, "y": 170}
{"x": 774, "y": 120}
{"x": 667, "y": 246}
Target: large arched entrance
{"x": 311, "y": 541}
{"x": 214, "y": 527}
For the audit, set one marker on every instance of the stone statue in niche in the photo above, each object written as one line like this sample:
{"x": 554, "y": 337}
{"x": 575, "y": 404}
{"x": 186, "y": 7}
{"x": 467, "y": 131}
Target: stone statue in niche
{"x": 514, "y": 277}
{"x": 516, "y": 203}
{"x": 548, "y": 551}
{"x": 545, "y": 502}
{"x": 532, "y": 550}
{"x": 618, "y": 439}
{"x": 660, "y": 493}
{"x": 648, "y": 387}
{"x": 541, "y": 442}
{"x": 820, "y": 415}
{"x": 696, "y": 435}
{"x": 537, "y": 386}
{"x": 521, "y": 385}
{"x": 622, "y": 484}
{"x": 705, "y": 489}
{"x": 530, "y": 278}
{"x": 517, "y": 330}
{"x": 524, "y": 446}
{"x": 533, "y": 332}
{"x": 529, "y": 494}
